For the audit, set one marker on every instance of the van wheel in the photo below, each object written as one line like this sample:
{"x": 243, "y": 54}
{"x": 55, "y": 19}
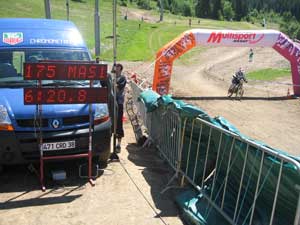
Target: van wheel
{"x": 101, "y": 156}
{"x": 101, "y": 163}
{"x": 102, "y": 159}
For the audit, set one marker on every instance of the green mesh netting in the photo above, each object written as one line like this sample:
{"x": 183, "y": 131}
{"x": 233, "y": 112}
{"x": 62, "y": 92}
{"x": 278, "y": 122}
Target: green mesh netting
{"x": 195, "y": 207}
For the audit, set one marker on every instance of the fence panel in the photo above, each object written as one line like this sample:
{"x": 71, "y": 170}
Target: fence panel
{"x": 245, "y": 182}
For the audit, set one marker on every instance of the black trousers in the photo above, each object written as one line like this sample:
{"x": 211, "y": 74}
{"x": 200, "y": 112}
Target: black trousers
{"x": 120, "y": 130}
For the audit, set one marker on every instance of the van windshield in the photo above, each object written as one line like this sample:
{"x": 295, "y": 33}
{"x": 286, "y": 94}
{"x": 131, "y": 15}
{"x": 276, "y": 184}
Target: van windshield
{"x": 11, "y": 63}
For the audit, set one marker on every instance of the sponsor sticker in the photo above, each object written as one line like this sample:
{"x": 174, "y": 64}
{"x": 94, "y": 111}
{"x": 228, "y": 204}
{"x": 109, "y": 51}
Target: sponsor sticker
{"x": 12, "y": 38}
{"x": 251, "y": 38}
{"x": 51, "y": 41}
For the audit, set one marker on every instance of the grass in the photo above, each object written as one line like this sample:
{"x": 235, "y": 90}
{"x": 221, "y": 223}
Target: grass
{"x": 134, "y": 43}
{"x": 268, "y": 74}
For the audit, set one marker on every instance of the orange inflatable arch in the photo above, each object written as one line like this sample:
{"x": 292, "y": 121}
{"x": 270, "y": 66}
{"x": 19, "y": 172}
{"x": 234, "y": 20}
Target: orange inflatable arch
{"x": 231, "y": 38}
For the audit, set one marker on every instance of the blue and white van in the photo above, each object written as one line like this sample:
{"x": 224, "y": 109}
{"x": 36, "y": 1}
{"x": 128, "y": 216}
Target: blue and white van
{"x": 31, "y": 40}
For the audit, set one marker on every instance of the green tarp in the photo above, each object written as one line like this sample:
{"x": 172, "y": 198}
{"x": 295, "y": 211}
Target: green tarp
{"x": 194, "y": 154}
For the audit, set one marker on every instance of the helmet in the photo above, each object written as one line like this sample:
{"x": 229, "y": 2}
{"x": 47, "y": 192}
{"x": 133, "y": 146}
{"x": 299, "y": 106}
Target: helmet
{"x": 241, "y": 70}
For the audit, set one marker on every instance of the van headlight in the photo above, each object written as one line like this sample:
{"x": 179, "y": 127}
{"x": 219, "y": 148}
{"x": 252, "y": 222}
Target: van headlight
{"x": 101, "y": 113}
{"x": 5, "y": 122}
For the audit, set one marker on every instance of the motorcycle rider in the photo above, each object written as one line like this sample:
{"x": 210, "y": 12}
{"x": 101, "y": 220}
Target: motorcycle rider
{"x": 236, "y": 84}
{"x": 239, "y": 75}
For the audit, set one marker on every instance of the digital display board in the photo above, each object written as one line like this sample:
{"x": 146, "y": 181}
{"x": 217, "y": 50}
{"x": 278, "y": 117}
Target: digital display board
{"x": 64, "y": 71}
{"x": 33, "y": 96}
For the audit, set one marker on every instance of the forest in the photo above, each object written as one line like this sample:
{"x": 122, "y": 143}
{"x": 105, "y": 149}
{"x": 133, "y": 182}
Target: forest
{"x": 284, "y": 13}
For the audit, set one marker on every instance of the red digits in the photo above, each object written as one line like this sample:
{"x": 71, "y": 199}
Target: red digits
{"x": 50, "y": 96}
{"x": 39, "y": 96}
{"x": 61, "y": 96}
{"x": 28, "y": 96}
{"x": 102, "y": 72}
{"x": 28, "y": 71}
{"x": 51, "y": 71}
{"x": 92, "y": 72}
{"x": 41, "y": 69}
{"x": 72, "y": 71}
{"x": 82, "y": 96}
{"x": 82, "y": 72}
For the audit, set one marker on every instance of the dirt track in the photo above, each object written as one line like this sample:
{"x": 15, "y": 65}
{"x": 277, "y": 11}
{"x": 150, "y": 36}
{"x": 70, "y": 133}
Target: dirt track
{"x": 264, "y": 113}
{"x": 125, "y": 193}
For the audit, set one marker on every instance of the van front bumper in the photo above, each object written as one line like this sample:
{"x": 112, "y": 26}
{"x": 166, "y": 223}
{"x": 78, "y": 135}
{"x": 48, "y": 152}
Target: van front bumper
{"x": 22, "y": 147}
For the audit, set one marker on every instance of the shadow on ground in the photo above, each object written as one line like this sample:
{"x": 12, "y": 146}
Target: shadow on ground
{"x": 24, "y": 179}
{"x": 14, "y": 204}
{"x": 157, "y": 173}
{"x": 253, "y": 98}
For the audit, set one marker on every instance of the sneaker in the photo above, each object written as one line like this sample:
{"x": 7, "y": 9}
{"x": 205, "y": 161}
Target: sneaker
{"x": 118, "y": 149}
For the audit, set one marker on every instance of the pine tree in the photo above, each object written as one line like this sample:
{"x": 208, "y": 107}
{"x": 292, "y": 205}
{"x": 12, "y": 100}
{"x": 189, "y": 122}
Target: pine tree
{"x": 240, "y": 8}
{"x": 228, "y": 10}
{"x": 217, "y": 9}
{"x": 203, "y": 8}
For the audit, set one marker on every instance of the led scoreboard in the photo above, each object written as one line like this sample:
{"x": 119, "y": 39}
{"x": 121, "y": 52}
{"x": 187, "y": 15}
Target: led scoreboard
{"x": 34, "y": 96}
{"x": 64, "y": 71}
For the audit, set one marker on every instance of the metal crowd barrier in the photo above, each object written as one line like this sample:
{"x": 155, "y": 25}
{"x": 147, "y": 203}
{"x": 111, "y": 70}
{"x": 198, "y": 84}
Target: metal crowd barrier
{"x": 140, "y": 108}
{"x": 224, "y": 167}
{"x": 217, "y": 196}
{"x": 165, "y": 132}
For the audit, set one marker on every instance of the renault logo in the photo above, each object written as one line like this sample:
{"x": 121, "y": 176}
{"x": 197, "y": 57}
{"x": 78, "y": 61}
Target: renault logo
{"x": 55, "y": 123}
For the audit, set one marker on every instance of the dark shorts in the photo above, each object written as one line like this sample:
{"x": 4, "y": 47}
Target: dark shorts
{"x": 120, "y": 130}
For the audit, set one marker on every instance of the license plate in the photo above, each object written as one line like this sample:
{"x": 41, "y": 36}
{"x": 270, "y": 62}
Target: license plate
{"x": 57, "y": 145}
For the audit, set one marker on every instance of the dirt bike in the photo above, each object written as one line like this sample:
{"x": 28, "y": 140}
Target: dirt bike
{"x": 236, "y": 89}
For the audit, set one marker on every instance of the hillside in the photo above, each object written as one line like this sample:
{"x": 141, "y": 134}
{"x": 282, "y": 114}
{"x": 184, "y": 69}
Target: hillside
{"x": 135, "y": 42}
